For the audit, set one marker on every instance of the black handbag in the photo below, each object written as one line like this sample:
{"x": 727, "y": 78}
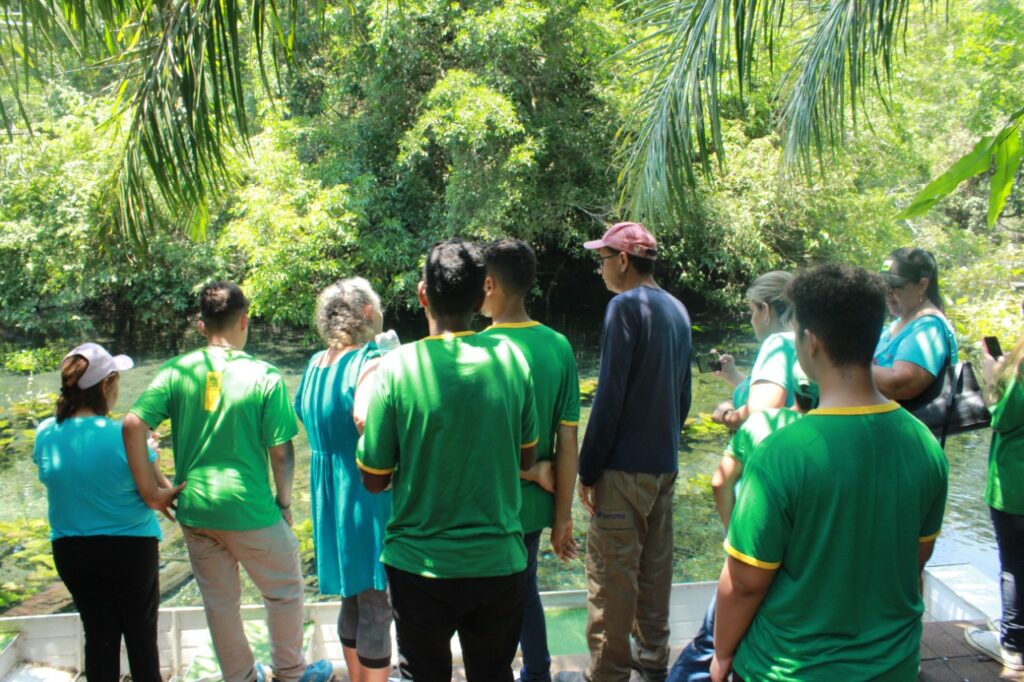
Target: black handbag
{"x": 953, "y": 403}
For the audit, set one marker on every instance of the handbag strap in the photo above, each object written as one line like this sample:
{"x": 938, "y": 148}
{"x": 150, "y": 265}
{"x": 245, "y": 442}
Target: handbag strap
{"x": 948, "y": 369}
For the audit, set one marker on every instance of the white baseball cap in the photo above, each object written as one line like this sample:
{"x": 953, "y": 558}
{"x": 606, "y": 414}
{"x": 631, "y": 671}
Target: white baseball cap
{"x": 101, "y": 363}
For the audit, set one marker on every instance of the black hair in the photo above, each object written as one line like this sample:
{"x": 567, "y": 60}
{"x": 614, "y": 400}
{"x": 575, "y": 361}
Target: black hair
{"x": 72, "y": 397}
{"x": 221, "y": 304}
{"x": 924, "y": 263}
{"x": 513, "y": 263}
{"x": 844, "y": 307}
{"x": 454, "y": 277}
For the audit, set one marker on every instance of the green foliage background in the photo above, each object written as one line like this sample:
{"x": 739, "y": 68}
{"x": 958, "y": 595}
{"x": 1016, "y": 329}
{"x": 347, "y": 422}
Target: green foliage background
{"x": 403, "y": 123}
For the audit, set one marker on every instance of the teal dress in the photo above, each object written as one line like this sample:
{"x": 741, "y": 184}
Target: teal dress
{"x": 348, "y": 521}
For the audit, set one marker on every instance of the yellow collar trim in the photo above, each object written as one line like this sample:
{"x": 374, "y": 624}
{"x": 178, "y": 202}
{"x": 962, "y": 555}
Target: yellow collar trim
{"x": 447, "y": 335}
{"x": 515, "y": 325}
{"x": 858, "y": 409}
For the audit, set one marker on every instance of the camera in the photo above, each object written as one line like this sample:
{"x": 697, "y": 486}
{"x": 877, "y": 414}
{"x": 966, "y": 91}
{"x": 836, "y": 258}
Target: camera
{"x": 709, "y": 362}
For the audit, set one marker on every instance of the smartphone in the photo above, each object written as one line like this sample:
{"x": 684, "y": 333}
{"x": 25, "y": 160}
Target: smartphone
{"x": 993, "y": 347}
{"x": 709, "y": 362}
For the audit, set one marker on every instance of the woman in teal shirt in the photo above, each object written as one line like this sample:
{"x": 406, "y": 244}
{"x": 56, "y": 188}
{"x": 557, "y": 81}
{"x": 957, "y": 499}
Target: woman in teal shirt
{"x": 348, "y": 521}
{"x": 105, "y": 538}
{"x": 776, "y": 373}
{"x": 914, "y": 349}
{"x": 1004, "y": 494}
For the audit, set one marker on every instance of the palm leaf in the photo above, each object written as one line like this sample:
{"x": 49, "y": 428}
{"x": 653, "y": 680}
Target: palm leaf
{"x": 689, "y": 46}
{"x": 180, "y": 99}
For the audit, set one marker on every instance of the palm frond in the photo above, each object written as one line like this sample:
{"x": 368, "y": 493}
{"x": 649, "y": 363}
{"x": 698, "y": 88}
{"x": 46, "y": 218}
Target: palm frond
{"x": 181, "y": 94}
{"x": 690, "y": 47}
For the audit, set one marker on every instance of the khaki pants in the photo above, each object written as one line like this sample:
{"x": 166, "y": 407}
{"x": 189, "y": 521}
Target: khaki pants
{"x": 271, "y": 558}
{"x": 629, "y": 573}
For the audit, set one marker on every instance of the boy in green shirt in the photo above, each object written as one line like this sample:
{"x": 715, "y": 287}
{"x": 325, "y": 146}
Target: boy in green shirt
{"x": 826, "y": 548}
{"x": 547, "y": 488}
{"x": 451, "y": 422}
{"x": 232, "y": 424}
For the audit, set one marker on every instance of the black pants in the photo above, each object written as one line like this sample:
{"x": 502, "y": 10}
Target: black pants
{"x": 486, "y": 612}
{"x": 1010, "y": 539}
{"x": 115, "y": 582}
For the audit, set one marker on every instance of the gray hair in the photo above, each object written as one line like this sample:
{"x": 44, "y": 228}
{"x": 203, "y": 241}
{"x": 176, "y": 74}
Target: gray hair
{"x": 339, "y": 312}
{"x": 770, "y": 288}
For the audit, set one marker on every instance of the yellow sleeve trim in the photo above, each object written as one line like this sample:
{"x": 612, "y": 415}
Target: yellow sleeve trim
{"x": 858, "y": 409}
{"x": 448, "y": 335}
{"x": 568, "y": 423}
{"x": 531, "y": 444}
{"x": 371, "y": 470}
{"x": 929, "y": 538}
{"x": 740, "y": 556}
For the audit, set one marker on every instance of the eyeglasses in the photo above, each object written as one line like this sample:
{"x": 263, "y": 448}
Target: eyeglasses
{"x": 610, "y": 255}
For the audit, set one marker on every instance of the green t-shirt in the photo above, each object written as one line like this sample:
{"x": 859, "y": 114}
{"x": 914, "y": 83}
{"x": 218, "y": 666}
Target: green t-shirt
{"x": 1005, "y": 488}
{"x": 226, "y": 408}
{"x": 556, "y": 388}
{"x": 448, "y": 416}
{"x": 837, "y": 503}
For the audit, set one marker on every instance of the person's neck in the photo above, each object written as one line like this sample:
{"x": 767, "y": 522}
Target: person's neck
{"x": 513, "y": 312}
{"x": 847, "y": 387}
{"x": 85, "y": 412}
{"x": 445, "y": 324}
{"x": 635, "y": 279}
{"x": 224, "y": 340}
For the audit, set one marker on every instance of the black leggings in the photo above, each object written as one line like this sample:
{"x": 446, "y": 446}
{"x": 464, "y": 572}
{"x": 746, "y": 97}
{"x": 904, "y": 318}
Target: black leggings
{"x": 115, "y": 582}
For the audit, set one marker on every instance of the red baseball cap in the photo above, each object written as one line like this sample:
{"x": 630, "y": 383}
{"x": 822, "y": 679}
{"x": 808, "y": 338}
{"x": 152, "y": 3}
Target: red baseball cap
{"x": 631, "y": 238}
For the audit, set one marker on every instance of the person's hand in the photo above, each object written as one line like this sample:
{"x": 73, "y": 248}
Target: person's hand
{"x": 990, "y": 366}
{"x": 586, "y": 493}
{"x": 153, "y": 441}
{"x": 165, "y": 500}
{"x": 562, "y": 541}
{"x": 721, "y": 411}
{"x": 721, "y": 669}
{"x": 729, "y": 371}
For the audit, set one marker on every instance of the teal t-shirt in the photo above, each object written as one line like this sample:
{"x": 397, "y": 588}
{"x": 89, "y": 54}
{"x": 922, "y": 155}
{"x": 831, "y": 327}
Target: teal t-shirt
{"x": 923, "y": 342}
{"x": 89, "y": 487}
{"x": 837, "y": 504}
{"x": 776, "y": 363}
{"x": 1004, "y": 489}
{"x": 556, "y": 389}
{"x": 226, "y": 408}
{"x": 448, "y": 417}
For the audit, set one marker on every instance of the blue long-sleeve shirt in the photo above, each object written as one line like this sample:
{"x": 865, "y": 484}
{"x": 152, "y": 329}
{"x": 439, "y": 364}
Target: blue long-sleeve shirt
{"x": 643, "y": 389}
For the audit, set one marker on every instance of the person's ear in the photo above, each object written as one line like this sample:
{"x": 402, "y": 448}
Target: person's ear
{"x": 421, "y": 294}
{"x": 488, "y": 285}
{"x": 811, "y": 342}
{"x": 368, "y": 311}
{"x": 201, "y": 327}
{"x": 243, "y": 321}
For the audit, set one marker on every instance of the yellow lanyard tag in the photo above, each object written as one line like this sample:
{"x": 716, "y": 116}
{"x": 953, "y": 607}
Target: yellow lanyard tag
{"x": 213, "y": 383}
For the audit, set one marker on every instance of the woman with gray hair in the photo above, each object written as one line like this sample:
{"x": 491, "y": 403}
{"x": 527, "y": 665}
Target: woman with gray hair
{"x": 348, "y": 521}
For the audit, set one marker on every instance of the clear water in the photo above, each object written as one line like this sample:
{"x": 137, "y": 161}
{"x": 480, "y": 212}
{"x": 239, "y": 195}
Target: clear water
{"x": 967, "y": 535}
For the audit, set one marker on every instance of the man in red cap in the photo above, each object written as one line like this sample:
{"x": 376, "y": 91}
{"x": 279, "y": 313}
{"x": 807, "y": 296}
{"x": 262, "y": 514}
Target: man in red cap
{"x": 629, "y": 460}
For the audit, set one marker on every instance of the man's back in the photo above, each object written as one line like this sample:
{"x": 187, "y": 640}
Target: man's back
{"x": 448, "y": 416}
{"x": 643, "y": 390}
{"x": 226, "y": 409}
{"x": 838, "y": 503}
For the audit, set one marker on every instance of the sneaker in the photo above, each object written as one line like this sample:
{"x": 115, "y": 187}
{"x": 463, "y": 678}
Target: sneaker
{"x": 987, "y": 642}
{"x": 321, "y": 671}
{"x": 262, "y": 673}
